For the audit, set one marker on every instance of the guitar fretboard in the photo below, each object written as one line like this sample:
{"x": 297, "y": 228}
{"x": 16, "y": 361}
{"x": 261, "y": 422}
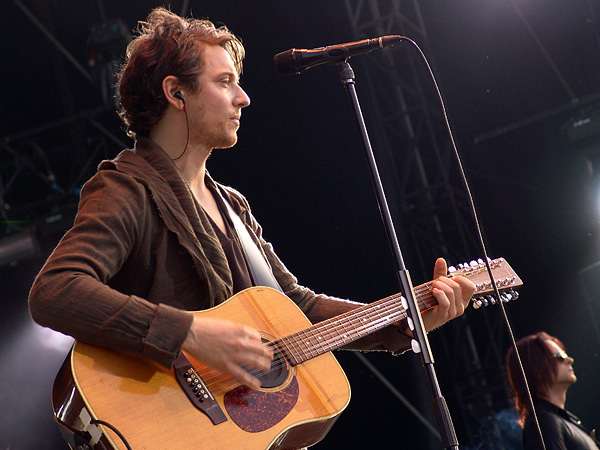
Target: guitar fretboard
{"x": 351, "y": 326}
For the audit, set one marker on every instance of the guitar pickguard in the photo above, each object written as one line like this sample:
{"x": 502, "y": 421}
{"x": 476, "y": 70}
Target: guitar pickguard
{"x": 254, "y": 411}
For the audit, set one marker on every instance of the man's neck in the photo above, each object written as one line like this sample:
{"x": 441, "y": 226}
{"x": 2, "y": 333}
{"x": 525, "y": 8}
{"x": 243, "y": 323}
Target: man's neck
{"x": 189, "y": 158}
{"x": 192, "y": 166}
{"x": 193, "y": 169}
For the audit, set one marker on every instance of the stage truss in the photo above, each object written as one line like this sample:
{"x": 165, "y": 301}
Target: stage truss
{"x": 427, "y": 198}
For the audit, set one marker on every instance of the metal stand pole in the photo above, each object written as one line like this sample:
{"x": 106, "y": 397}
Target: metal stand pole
{"x": 420, "y": 343}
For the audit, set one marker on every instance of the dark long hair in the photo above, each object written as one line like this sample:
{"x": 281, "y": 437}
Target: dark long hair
{"x": 539, "y": 366}
{"x": 166, "y": 45}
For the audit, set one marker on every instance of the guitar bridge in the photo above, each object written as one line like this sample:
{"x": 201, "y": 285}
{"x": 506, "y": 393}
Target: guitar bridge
{"x": 196, "y": 390}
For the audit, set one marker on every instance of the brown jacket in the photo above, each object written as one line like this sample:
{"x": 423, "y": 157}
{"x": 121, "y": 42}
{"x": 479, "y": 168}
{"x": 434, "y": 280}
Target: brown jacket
{"x": 142, "y": 253}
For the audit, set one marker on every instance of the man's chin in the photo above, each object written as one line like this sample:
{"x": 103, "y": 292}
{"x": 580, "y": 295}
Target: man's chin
{"x": 227, "y": 144}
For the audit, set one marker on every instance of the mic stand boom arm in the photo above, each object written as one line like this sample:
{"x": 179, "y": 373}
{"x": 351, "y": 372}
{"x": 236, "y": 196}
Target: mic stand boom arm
{"x": 420, "y": 342}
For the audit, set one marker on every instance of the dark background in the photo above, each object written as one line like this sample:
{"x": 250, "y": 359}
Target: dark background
{"x": 515, "y": 77}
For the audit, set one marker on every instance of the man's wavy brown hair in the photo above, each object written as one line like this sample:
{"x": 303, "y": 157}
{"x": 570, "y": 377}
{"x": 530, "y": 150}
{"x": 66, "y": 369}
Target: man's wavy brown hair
{"x": 540, "y": 369}
{"x": 166, "y": 45}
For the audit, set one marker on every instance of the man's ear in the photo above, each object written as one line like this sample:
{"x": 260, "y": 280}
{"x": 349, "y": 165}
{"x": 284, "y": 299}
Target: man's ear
{"x": 172, "y": 92}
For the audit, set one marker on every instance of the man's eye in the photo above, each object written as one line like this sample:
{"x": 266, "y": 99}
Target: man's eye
{"x": 229, "y": 81}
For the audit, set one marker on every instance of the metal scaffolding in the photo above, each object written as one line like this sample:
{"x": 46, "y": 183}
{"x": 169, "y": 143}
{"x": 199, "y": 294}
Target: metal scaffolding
{"x": 42, "y": 169}
{"x": 41, "y": 173}
{"x": 428, "y": 202}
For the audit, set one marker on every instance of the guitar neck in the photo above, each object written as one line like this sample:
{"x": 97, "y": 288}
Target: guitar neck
{"x": 338, "y": 331}
{"x": 358, "y": 323}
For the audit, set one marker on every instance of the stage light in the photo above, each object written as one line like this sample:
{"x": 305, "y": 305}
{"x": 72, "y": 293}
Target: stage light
{"x": 17, "y": 246}
{"x": 31, "y": 357}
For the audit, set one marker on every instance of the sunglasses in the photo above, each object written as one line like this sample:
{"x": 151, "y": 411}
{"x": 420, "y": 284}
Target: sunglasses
{"x": 561, "y": 356}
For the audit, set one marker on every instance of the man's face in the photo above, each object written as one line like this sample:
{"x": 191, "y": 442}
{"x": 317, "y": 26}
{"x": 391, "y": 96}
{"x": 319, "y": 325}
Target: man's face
{"x": 565, "y": 374}
{"x": 214, "y": 110}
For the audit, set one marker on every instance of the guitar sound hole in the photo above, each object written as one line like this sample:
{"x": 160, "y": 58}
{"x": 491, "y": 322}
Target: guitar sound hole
{"x": 278, "y": 372}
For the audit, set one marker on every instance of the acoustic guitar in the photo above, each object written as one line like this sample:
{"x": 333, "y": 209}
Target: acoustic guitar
{"x": 107, "y": 399}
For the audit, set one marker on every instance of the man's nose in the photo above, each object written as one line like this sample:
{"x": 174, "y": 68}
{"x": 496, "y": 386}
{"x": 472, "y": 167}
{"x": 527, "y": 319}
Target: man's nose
{"x": 242, "y": 99}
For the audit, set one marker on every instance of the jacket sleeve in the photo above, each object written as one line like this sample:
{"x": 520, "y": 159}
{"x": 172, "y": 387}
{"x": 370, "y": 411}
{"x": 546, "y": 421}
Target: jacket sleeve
{"x": 71, "y": 294}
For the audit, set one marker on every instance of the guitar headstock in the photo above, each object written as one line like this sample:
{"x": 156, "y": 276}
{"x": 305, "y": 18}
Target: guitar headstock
{"x": 505, "y": 277}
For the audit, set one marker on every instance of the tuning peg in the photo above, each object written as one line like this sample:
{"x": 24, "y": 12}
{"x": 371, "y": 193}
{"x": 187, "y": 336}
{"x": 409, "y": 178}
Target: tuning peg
{"x": 486, "y": 300}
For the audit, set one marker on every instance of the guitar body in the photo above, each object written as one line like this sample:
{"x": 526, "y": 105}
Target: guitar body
{"x": 145, "y": 402}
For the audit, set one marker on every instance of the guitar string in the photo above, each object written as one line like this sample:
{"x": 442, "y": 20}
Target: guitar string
{"x": 354, "y": 317}
{"x": 280, "y": 347}
{"x": 384, "y": 306}
{"x": 319, "y": 329}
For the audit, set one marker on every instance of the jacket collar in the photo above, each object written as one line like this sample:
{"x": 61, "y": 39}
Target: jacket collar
{"x": 150, "y": 165}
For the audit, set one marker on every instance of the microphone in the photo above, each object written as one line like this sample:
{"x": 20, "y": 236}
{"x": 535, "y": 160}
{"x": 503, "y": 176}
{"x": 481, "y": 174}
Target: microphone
{"x": 295, "y": 61}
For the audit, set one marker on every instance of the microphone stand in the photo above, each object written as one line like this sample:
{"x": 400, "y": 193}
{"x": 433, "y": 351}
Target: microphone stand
{"x": 420, "y": 343}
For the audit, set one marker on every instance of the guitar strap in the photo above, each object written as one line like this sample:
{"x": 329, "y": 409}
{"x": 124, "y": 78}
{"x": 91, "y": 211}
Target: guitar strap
{"x": 261, "y": 273}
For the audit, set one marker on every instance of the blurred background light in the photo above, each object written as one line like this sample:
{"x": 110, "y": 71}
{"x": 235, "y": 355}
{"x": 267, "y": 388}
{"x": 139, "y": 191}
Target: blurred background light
{"x": 17, "y": 246}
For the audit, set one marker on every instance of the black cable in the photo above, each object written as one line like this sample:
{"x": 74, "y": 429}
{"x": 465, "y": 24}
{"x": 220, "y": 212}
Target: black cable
{"x": 187, "y": 140}
{"x": 479, "y": 234}
{"x": 112, "y": 427}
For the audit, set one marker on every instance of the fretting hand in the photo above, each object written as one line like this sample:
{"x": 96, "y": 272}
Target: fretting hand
{"x": 452, "y": 294}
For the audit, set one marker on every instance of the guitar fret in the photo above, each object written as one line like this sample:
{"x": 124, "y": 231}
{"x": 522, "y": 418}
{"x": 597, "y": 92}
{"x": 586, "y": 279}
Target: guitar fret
{"x": 330, "y": 338}
{"x": 345, "y": 336}
{"x": 306, "y": 345}
{"x": 323, "y": 341}
{"x": 423, "y": 294}
{"x": 292, "y": 349}
{"x": 309, "y": 342}
{"x": 340, "y": 338}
